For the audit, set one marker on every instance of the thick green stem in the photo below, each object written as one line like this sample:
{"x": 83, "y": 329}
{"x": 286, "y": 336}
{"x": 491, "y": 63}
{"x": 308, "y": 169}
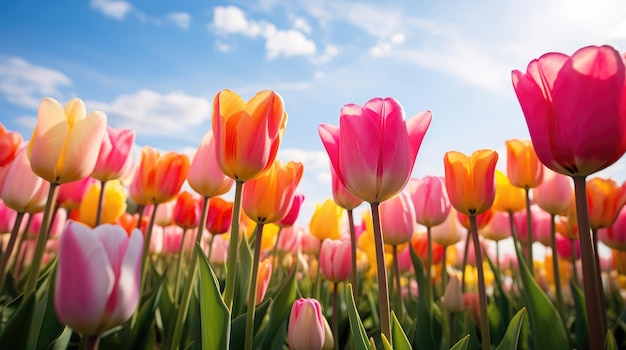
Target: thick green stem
{"x": 383, "y": 291}
{"x": 335, "y": 318}
{"x": 396, "y": 274}
{"x": 252, "y": 287}
{"x": 4, "y": 261}
{"x": 593, "y": 300}
{"x": 146, "y": 248}
{"x": 482, "y": 293}
{"x": 555, "y": 267}
{"x": 529, "y": 233}
{"x": 353, "y": 271}
{"x": 186, "y": 296}
{"x": 42, "y": 238}
{"x": 231, "y": 263}
{"x": 100, "y": 203}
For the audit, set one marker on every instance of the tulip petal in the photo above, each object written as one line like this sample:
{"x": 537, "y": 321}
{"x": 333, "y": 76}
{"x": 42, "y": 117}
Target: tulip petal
{"x": 84, "y": 279}
{"x": 330, "y": 138}
{"x": 83, "y": 143}
{"x": 48, "y": 141}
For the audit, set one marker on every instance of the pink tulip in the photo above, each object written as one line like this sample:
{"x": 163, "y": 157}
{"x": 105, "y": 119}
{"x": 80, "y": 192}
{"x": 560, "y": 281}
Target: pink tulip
{"x": 164, "y": 214}
{"x": 114, "y": 158}
{"x": 430, "y": 200}
{"x": 405, "y": 264}
{"x": 615, "y": 236}
{"x": 574, "y": 108}
{"x": 306, "y": 325}
{"x": 373, "y": 150}
{"x": 310, "y": 243}
{"x": 335, "y": 260}
{"x": 219, "y": 251}
{"x": 205, "y": 175}
{"x": 172, "y": 239}
{"x": 71, "y": 194}
{"x": 23, "y": 190}
{"x": 341, "y": 195}
{"x": 397, "y": 218}
{"x": 98, "y": 277}
{"x": 555, "y": 194}
{"x": 292, "y": 214}
{"x": 7, "y": 218}
{"x": 499, "y": 227}
{"x": 290, "y": 238}
{"x": 66, "y": 141}
{"x": 541, "y": 222}
{"x": 564, "y": 248}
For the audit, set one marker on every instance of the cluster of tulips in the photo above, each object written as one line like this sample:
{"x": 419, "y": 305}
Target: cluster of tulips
{"x": 101, "y": 252}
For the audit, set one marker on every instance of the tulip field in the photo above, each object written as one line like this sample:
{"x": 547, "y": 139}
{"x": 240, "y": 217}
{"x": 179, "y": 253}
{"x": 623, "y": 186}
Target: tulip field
{"x": 211, "y": 252}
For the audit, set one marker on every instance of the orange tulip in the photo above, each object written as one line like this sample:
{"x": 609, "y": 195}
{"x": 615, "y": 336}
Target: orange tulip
{"x": 66, "y": 141}
{"x": 10, "y": 142}
{"x": 605, "y": 199}
{"x": 159, "y": 177}
{"x": 470, "y": 180}
{"x": 509, "y": 198}
{"x": 268, "y": 198}
{"x": 522, "y": 164}
{"x": 186, "y": 212}
{"x": 219, "y": 216}
{"x": 247, "y": 135}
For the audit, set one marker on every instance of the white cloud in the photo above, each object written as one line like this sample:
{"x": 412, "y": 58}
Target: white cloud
{"x": 24, "y": 84}
{"x": 330, "y": 51}
{"x": 382, "y": 48}
{"x": 112, "y": 8}
{"x": 153, "y": 113}
{"x": 397, "y": 39}
{"x": 180, "y": 19}
{"x": 302, "y": 25}
{"x": 289, "y": 43}
{"x": 222, "y": 47}
{"x": 232, "y": 20}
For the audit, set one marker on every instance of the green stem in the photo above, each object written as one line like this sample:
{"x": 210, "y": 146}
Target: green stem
{"x": 140, "y": 209}
{"x": 465, "y": 253}
{"x": 318, "y": 281}
{"x": 482, "y": 293}
{"x": 210, "y": 247}
{"x": 179, "y": 267}
{"x": 555, "y": 267}
{"x": 396, "y": 274}
{"x": 598, "y": 276}
{"x": 353, "y": 271}
{"x": 252, "y": 287}
{"x": 231, "y": 263}
{"x": 4, "y": 261}
{"x": 275, "y": 249}
{"x": 383, "y": 292}
{"x": 593, "y": 300}
{"x": 92, "y": 342}
{"x": 42, "y": 238}
{"x": 146, "y": 248}
{"x": 498, "y": 256}
{"x": 429, "y": 268}
{"x": 444, "y": 270}
{"x": 529, "y": 232}
{"x": 186, "y": 296}
{"x": 100, "y": 203}
{"x": 335, "y": 319}
{"x": 19, "y": 262}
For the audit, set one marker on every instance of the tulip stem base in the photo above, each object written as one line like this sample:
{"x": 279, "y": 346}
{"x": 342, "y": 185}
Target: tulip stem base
{"x": 231, "y": 263}
{"x": 353, "y": 271}
{"x": 594, "y": 301}
{"x": 482, "y": 293}
{"x": 383, "y": 290}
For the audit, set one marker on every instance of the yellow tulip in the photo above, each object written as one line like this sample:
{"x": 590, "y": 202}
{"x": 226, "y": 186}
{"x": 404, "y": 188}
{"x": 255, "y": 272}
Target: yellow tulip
{"x": 113, "y": 205}
{"x": 508, "y": 198}
{"x": 325, "y": 220}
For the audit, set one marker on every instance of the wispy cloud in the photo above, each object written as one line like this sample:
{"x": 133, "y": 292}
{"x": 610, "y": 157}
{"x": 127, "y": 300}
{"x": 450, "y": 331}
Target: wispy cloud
{"x": 291, "y": 42}
{"x": 180, "y": 19}
{"x": 112, "y": 8}
{"x": 23, "y": 83}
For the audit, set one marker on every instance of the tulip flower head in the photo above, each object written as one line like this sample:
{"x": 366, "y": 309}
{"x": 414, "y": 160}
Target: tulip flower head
{"x": 205, "y": 175}
{"x": 555, "y": 194}
{"x": 65, "y": 144}
{"x": 113, "y": 205}
{"x": 335, "y": 258}
{"x": 114, "y": 158}
{"x": 306, "y": 325}
{"x": 470, "y": 180}
{"x": 159, "y": 177}
{"x": 523, "y": 168}
{"x": 430, "y": 200}
{"x": 219, "y": 216}
{"x": 509, "y": 198}
{"x": 98, "y": 277}
{"x": 397, "y": 218}
{"x": 23, "y": 190}
{"x": 10, "y": 142}
{"x": 186, "y": 212}
{"x": 574, "y": 108}
{"x": 605, "y": 199}
{"x": 325, "y": 220}
{"x": 374, "y": 148}
{"x": 292, "y": 215}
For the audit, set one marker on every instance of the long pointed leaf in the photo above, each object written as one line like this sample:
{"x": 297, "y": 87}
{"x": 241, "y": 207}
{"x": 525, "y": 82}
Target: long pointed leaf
{"x": 511, "y": 336}
{"x": 214, "y": 313}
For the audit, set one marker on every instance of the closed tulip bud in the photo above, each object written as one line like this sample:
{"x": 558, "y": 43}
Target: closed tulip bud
{"x": 555, "y": 194}
{"x": 24, "y": 191}
{"x": 158, "y": 178}
{"x": 419, "y": 241}
{"x": 498, "y": 228}
{"x": 205, "y": 175}
{"x": 310, "y": 243}
{"x": 114, "y": 158}
{"x": 186, "y": 211}
{"x": 397, "y": 218}
{"x": 470, "y": 180}
{"x": 341, "y": 195}
{"x": 267, "y": 198}
{"x": 219, "y": 216}
{"x": 98, "y": 277}
{"x": 306, "y": 325}
{"x": 430, "y": 200}
{"x": 541, "y": 223}
{"x": 335, "y": 258}
{"x": 325, "y": 220}
{"x": 568, "y": 249}
{"x": 113, "y": 204}
{"x": 452, "y": 299}
{"x": 263, "y": 279}
{"x": 374, "y": 148}
{"x": 450, "y": 232}
{"x": 10, "y": 142}
{"x": 247, "y": 134}
{"x": 615, "y": 235}
{"x": 509, "y": 198}
{"x": 164, "y": 213}
{"x": 219, "y": 251}
{"x": 523, "y": 168}
{"x": 65, "y": 144}
{"x": 605, "y": 199}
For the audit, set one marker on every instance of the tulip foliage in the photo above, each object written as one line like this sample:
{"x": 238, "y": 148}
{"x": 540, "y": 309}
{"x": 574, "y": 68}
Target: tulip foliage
{"x": 100, "y": 250}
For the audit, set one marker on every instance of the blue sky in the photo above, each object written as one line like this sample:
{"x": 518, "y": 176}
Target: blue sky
{"x": 155, "y": 65}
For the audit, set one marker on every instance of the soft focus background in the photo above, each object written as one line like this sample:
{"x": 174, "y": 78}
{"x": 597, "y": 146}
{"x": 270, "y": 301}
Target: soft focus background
{"x": 155, "y": 65}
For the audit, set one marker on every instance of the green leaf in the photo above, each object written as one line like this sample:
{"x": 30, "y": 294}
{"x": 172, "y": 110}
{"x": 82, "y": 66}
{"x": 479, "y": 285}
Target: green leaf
{"x": 610, "y": 343}
{"x": 281, "y": 307}
{"x": 386, "y": 344}
{"x": 244, "y": 269}
{"x": 462, "y": 344}
{"x": 499, "y": 309}
{"x": 400, "y": 341}
{"x": 580, "y": 322}
{"x": 511, "y": 336}
{"x": 427, "y": 333}
{"x": 238, "y": 328}
{"x": 359, "y": 336}
{"x": 546, "y": 325}
{"x": 46, "y": 320}
{"x": 62, "y": 342}
{"x": 16, "y": 325}
{"x": 214, "y": 313}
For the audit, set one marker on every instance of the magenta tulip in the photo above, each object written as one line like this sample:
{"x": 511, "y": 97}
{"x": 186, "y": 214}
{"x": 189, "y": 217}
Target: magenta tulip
{"x": 540, "y": 221}
{"x": 306, "y": 325}
{"x": 575, "y": 108}
{"x": 430, "y": 200}
{"x": 292, "y": 214}
{"x": 397, "y": 218}
{"x": 335, "y": 260}
{"x": 374, "y": 148}
{"x": 98, "y": 276}
{"x": 114, "y": 159}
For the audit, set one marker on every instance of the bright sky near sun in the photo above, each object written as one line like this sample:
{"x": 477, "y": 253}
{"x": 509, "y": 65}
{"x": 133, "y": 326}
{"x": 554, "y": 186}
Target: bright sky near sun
{"x": 155, "y": 65}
